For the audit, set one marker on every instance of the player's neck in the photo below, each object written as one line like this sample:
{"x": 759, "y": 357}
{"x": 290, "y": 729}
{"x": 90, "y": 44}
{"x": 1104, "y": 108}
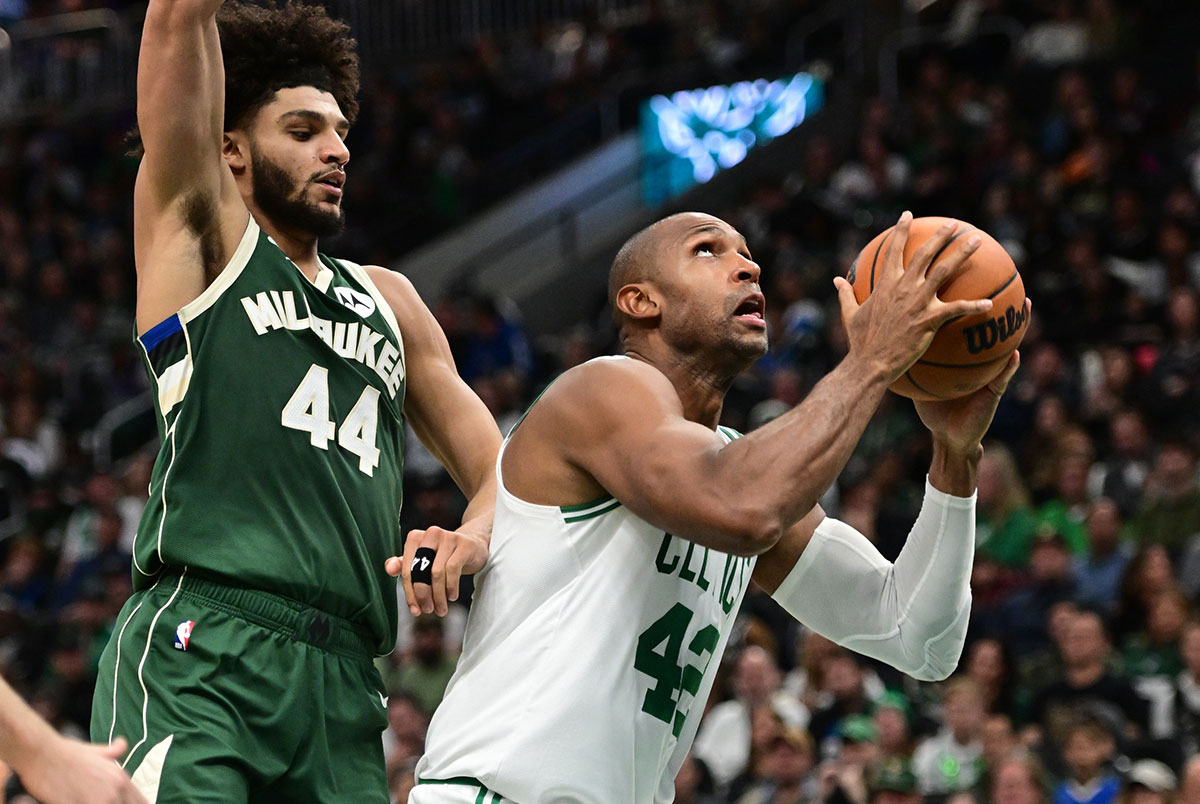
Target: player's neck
{"x": 701, "y": 389}
{"x": 299, "y": 247}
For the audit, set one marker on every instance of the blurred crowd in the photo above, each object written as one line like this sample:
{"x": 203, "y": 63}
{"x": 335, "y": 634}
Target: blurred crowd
{"x": 1075, "y": 143}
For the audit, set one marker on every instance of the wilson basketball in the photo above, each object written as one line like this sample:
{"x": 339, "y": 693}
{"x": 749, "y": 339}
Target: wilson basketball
{"x": 967, "y": 352}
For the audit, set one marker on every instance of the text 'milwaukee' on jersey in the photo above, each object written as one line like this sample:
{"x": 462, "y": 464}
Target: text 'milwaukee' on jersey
{"x": 280, "y": 406}
{"x": 591, "y": 647}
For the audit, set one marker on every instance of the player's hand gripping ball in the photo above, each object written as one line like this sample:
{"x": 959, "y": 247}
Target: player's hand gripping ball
{"x": 968, "y": 352}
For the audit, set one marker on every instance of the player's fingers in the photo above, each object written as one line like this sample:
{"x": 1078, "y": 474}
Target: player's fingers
{"x": 999, "y": 385}
{"x": 928, "y": 251}
{"x": 394, "y": 566}
{"x": 445, "y": 548}
{"x": 846, "y": 299}
{"x": 114, "y": 750}
{"x": 944, "y": 311}
{"x": 893, "y": 259}
{"x": 454, "y": 568}
{"x": 410, "y": 550}
{"x": 953, "y": 263}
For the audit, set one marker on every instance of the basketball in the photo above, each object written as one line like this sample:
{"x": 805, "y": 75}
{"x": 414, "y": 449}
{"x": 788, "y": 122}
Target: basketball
{"x": 967, "y": 352}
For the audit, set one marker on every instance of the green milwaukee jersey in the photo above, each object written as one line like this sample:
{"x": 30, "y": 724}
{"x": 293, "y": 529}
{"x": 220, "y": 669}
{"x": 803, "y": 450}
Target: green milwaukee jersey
{"x": 280, "y": 405}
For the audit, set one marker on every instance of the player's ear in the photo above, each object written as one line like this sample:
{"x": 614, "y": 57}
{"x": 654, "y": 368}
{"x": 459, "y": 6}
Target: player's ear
{"x": 638, "y": 301}
{"x": 236, "y": 150}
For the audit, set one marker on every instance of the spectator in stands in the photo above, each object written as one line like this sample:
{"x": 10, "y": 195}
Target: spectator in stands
{"x": 1019, "y": 778}
{"x": 1148, "y": 573}
{"x": 788, "y": 767}
{"x": 989, "y": 664}
{"x": 1026, "y": 614}
{"x": 1099, "y": 571}
{"x": 1149, "y": 782}
{"x": 1170, "y": 513}
{"x": 694, "y": 784}
{"x": 427, "y": 671}
{"x": 1123, "y": 475}
{"x": 845, "y": 681}
{"x": 1066, "y": 510}
{"x": 404, "y": 738}
{"x": 1186, "y": 703}
{"x": 952, "y": 760}
{"x": 893, "y": 714}
{"x": 1088, "y": 753}
{"x": 842, "y": 779}
{"x": 1004, "y": 524}
{"x": 1088, "y": 683}
{"x": 894, "y": 782}
{"x": 723, "y": 741}
{"x": 1189, "y": 788}
{"x": 1154, "y": 651}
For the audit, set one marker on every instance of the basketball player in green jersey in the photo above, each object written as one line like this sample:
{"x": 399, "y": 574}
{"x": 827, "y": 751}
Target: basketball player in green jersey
{"x": 628, "y": 526}
{"x": 241, "y": 669}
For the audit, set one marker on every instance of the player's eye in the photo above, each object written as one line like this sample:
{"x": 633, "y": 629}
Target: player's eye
{"x": 302, "y": 136}
{"x": 702, "y": 249}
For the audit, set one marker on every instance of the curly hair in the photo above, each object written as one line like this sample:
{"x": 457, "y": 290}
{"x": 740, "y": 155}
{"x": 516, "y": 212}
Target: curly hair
{"x": 271, "y": 47}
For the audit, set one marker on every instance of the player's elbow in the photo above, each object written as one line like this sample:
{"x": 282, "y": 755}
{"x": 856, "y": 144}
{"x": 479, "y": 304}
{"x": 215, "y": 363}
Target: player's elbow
{"x": 755, "y": 537}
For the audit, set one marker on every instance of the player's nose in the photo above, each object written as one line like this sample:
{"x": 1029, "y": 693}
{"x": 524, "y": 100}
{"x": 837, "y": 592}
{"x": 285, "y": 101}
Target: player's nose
{"x": 747, "y": 270}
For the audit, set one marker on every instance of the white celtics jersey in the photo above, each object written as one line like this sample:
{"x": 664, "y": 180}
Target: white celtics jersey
{"x": 590, "y": 651}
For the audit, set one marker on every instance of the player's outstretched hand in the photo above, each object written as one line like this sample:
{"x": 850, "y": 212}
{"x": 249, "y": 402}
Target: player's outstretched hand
{"x": 456, "y": 553}
{"x": 67, "y": 771}
{"x": 961, "y": 424}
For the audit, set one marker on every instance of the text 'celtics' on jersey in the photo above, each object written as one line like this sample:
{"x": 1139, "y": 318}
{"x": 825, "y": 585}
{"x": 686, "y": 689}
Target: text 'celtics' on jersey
{"x": 280, "y": 405}
{"x": 592, "y": 644}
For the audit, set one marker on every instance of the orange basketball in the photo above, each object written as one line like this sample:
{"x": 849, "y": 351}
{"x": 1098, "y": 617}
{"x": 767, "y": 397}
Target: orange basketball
{"x": 967, "y": 352}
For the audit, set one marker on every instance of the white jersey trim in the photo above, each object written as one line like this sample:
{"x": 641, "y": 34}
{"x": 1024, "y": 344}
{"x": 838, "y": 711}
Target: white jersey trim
{"x": 233, "y": 269}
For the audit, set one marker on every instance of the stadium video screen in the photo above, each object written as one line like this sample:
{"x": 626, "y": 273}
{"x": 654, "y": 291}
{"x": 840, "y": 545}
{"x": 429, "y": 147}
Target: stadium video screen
{"x": 688, "y": 136}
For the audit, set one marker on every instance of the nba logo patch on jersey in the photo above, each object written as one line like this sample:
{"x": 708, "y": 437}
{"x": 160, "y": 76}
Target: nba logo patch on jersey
{"x": 183, "y": 634}
{"x": 360, "y": 303}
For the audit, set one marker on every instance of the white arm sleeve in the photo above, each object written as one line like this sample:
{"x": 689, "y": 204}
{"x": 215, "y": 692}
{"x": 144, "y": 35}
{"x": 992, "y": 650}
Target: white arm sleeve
{"x": 911, "y": 614}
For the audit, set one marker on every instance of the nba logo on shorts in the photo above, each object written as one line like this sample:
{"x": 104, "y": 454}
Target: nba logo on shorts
{"x": 183, "y": 634}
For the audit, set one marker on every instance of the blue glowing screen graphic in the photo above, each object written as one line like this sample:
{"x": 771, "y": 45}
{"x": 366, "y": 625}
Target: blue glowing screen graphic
{"x": 690, "y": 135}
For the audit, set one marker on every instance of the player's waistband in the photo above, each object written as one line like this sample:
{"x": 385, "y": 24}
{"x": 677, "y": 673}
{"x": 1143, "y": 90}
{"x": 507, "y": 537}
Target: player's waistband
{"x": 485, "y": 796}
{"x": 277, "y": 613}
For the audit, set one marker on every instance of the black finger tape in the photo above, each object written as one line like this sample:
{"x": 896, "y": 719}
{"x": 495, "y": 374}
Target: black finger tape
{"x": 422, "y": 566}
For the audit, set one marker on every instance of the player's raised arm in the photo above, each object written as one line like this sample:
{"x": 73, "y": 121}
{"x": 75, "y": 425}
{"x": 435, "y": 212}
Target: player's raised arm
{"x": 188, "y": 214}
{"x": 460, "y": 431}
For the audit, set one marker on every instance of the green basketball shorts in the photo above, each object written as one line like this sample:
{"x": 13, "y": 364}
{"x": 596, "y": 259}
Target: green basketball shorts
{"x": 241, "y": 697}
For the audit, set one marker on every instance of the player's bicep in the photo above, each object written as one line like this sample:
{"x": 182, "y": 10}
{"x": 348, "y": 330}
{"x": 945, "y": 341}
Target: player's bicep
{"x": 635, "y": 442}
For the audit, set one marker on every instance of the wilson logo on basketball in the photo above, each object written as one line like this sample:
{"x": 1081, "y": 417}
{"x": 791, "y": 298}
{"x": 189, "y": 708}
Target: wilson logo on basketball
{"x": 985, "y": 335}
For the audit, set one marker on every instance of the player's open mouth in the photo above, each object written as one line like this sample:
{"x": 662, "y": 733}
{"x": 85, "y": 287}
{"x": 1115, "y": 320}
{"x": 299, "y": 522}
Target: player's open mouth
{"x": 333, "y": 182}
{"x": 751, "y": 310}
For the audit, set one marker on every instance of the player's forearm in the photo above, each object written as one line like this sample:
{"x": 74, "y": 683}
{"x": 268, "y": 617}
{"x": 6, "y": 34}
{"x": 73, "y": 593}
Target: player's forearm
{"x": 182, "y": 11}
{"x": 481, "y": 508}
{"x": 22, "y": 732}
{"x": 789, "y": 463}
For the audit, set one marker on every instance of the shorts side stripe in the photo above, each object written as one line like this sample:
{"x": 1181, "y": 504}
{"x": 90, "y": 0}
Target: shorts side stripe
{"x": 117, "y": 667}
{"x": 141, "y": 666}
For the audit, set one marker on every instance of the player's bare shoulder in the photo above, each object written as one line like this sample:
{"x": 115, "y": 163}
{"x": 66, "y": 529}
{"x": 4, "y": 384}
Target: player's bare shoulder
{"x": 603, "y": 394}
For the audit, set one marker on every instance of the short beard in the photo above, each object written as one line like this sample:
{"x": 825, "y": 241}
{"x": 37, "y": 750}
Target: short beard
{"x": 271, "y": 186}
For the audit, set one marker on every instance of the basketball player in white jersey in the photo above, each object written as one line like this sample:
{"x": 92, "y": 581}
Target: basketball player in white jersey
{"x": 628, "y": 525}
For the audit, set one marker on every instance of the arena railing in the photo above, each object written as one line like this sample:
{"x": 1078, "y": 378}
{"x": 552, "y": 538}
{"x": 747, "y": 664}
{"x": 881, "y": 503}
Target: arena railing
{"x": 67, "y": 65}
{"x": 402, "y": 29}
